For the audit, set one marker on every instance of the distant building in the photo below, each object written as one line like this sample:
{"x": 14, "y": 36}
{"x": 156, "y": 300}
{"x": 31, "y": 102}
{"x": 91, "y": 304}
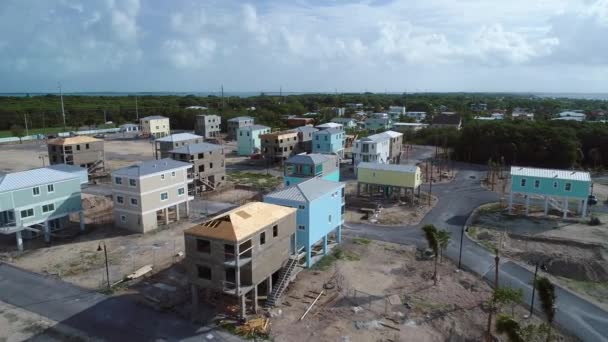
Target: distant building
{"x": 235, "y": 124}
{"x": 81, "y": 150}
{"x": 248, "y": 139}
{"x": 479, "y": 107}
{"x": 447, "y": 121}
{"x": 208, "y": 126}
{"x": 162, "y": 146}
{"x": 571, "y": 116}
{"x": 245, "y": 252}
{"x": 129, "y": 128}
{"x": 408, "y": 126}
{"x": 492, "y": 117}
{"x": 393, "y": 180}
{"x": 301, "y": 167}
{"x": 354, "y": 105}
{"x": 197, "y": 108}
{"x": 294, "y": 122}
{"x": 418, "y": 116}
{"x": 340, "y": 111}
{"x": 522, "y": 114}
{"x": 347, "y": 123}
{"x": 330, "y": 140}
{"x": 305, "y": 134}
{"x": 328, "y": 125}
{"x": 151, "y": 192}
{"x": 278, "y": 146}
{"x": 378, "y": 123}
{"x": 554, "y": 185}
{"x": 395, "y": 112}
{"x": 319, "y": 218}
{"x": 155, "y": 126}
{"x": 208, "y": 161}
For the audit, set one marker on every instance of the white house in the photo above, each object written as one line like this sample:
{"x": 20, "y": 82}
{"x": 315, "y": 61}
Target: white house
{"x": 418, "y": 116}
{"x": 575, "y": 115}
{"x": 374, "y": 148}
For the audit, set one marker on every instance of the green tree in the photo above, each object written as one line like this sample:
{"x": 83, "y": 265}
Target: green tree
{"x": 17, "y": 131}
{"x": 443, "y": 239}
{"x": 430, "y": 233}
{"x": 508, "y": 295}
{"x": 508, "y": 326}
{"x": 546, "y": 295}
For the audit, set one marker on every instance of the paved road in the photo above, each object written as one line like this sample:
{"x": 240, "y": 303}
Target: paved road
{"x": 97, "y": 315}
{"x": 457, "y": 200}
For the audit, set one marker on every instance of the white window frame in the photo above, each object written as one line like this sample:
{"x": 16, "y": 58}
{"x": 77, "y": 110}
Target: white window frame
{"x": 26, "y": 210}
{"x": 120, "y": 199}
{"x": 162, "y": 176}
{"x": 48, "y": 209}
{"x": 34, "y": 189}
{"x": 568, "y": 187}
{"x": 161, "y": 196}
{"x": 173, "y": 174}
{"x": 182, "y": 190}
{"x": 536, "y": 183}
{"x": 523, "y": 182}
{"x": 50, "y": 188}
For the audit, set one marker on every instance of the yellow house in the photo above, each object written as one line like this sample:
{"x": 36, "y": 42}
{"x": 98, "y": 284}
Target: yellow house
{"x": 156, "y": 126}
{"x": 388, "y": 178}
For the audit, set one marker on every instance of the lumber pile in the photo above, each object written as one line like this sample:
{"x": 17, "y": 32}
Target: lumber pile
{"x": 254, "y": 327}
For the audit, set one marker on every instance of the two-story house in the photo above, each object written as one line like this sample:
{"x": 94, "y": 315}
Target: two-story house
{"x": 378, "y": 122}
{"x": 150, "y": 193}
{"x": 248, "y": 139}
{"x": 396, "y": 112}
{"x": 330, "y": 140}
{"x": 39, "y": 200}
{"x": 208, "y": 126}
{"x": 304, "y": 138}
{"x": 301, "y": 167}
{"x": 242, "y": 253}
{"x": 374, "y": 149}
{"x": 208, "y": 161}
{"x": 393, "y": 180}
{"x": 278, "y": 146}
{"x": 347, "y": 123}
{"x": 395, "y": 147}
{"x": 162, "y": 146}
{"x": 235, "y": 124}
{"x": 155, "y": 126}
{"x": 82, "y": 151}
{"x": 558, "y": 186}
{"x": 320, "y": 215}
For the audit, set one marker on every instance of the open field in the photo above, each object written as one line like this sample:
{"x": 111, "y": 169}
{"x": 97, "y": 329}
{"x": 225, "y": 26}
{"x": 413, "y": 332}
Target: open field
{"x": 377, "y": 291}
{"x": 573, "y": 252}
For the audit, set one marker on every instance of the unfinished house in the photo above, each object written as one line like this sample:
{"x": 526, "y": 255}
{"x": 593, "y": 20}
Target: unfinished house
{"x": 242, "y": 254}
{"x": 279, "y": 146}
{"x": 83, "y": 151}
{"x": 155, "y": 126}
{"x": 393, "y": 181}
{"x": 207, "y": 160}
{"x": 150, "y": 193}
{"x": 395, "y": 146}
{"x": 208, "y": 126}
{"x": 237, "y": 123}
{"x": 162, "y": 146}
{"x": 39, "y": 201}
{"x": 302, "y": 167}
{"x": 305, "y": 136}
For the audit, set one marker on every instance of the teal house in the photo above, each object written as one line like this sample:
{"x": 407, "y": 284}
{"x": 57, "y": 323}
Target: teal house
{"x": 301, "y": 167}
{"x": 329, "y": 140}
{"x": 39, "y": 201}
{"x": 248, "y": 139}
{"x": 320, "y": 215}
{"x": 557, "y": 187}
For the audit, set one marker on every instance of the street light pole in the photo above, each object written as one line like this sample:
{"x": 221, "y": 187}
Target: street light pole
{"x": 460, "y": 252}
{"x": 533, "y": 290}
{"x": 105, "y": 252}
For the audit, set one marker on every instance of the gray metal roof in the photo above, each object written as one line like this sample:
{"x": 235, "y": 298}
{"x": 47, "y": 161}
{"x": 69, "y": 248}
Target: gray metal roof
{"x": 388, "y": 167}
{"x": 550, "y": 173}
{"x": 180, "y": 137}
{"x": 149, "y": 167}
{"x": 309, "y": 159}
{"x": 305, "y": 129}
{"x": 254, "y": 128}
{"x": 241, "y": 118}
{"x": 307, "y": 191}
{"x": 376, "y": 137}
{"x": 129, "y": 125}
{"x": 330, "y": 131}
{"x": 154, "y": 117}
{"x": 196, "y": 148}
{"x": 34, "y": 177}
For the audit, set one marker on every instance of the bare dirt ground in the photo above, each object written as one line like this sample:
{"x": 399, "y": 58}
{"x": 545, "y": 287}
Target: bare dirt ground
{"x": 230, "y": 195}
{"x": 442, "y": 174}
{"x": 572, "y": 251}
{"x": 379, "y": 291}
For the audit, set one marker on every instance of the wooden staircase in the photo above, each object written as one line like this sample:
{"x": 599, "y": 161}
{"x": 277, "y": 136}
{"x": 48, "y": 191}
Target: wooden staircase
{"x": 284, "y": 278}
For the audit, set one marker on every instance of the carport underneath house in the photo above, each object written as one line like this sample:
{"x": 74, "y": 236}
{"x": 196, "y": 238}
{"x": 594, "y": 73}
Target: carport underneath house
{"x": 556, "y": 187}
{"x": 392, "y": 180}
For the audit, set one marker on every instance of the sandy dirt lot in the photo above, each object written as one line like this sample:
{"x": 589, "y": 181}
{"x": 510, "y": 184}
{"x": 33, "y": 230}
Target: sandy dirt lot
{"x": 572, "y": 251}
{"x": 380, "y": 291}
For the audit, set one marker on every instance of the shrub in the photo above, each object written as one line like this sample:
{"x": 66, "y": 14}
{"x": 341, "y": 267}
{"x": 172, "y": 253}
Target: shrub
{"x": 594, "y": 221}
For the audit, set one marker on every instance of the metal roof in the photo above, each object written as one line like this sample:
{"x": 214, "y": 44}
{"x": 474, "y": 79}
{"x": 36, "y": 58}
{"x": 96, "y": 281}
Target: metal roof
{"x": 330, "y": 131}
{"x": 254, "y": 128}
{"x": 240, "y": 118}
{"x": 154, "y": 117}
{"x": 376, "y": 137}
{"x": 196, "y": 148}
{"x": 34, "y": 177}
{"x": 329, "y": 125}
{"x": 342, "y": 120}
{"x": 179, "y": 137}
{"x": 309, "y": 159}
{"x": 391, "y": 134}
{"x": 388, "y": 167}
{"x": 305, "y": 129}
{"x": 306, "y": 191}
{"x": 150, "y": 167}
{"x": 550, "y": 173}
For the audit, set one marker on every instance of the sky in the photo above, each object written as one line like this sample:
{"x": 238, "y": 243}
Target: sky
{"x": 304, "y": 45}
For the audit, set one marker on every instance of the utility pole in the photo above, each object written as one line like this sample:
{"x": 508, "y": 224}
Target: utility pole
{"x": 431, "y": 184}
{"x": 62, "y": 108}
{"x": 27, "y": 132}
{"x": 489, "y": 327}
{"x": 105, "y": 118}
{"x": 460, "y": 252}
{"x": 105, "y": 251}
{"x": 533, "y": 289}
{"x": 222, "y": 98}
{"x": 136, "y": 110}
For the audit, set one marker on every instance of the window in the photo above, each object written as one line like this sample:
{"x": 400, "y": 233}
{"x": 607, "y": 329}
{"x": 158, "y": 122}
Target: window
{"x": 523, "y": 182}
{"x": 329, "y": 218}
{"x": 123, "y": 218}
{"x": 132, "y": 182}
{"x": 203, "y": 246}
{"x": 301, "y": 207}
{"x": 211, "y": 165}
{"x": 568, "y": 187}
{"x": 50, "y": 188}
{"x": 263, "y": 238}
{"x": 36, "y": 191}
{"x": 27, "y": 213}
{"x": 77, "y": 147}
{"x": 180, "y": 191}
{"x": 173, "y": 174}
{"x": 275, "y": 231}
{"x": 555, "y": 184}
{"x": 120, "y": 200}
{"x": 162, "y": 176}
{"x": 133, "y": 201}
{"x": 87, "y": 146}
{"x": 117, "y": 180}
{"x": 48, "y": 207}
{"x": 536, "y": 183}
{"x": 164, "y": 196}
{"x": 301, "y": 228}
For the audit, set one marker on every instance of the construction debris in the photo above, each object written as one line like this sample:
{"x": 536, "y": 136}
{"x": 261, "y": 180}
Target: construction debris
{"x": 254, "y": 327}
{"x": 311, "y": 305}
{"x": 140, "y": 272}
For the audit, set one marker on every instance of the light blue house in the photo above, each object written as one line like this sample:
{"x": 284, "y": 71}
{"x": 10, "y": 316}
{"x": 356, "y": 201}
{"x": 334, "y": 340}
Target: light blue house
{"x": 39, "y": 200}
{"x": 554, "y": 186}
{"x": 301, "y": 167}
{"x": 378, "y": 123}
{"x": 329, "y": 141}
{"x": 319, "y": 218}
{"x": 248, "y": 139}
{"x": 347, "y": 123}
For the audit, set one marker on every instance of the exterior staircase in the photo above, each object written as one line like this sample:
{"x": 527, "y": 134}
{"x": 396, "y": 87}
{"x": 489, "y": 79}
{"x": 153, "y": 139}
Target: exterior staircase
{"x": 209, "y": 186}
{"x": 97, "y": 167}
{"x": 284, "y": 278}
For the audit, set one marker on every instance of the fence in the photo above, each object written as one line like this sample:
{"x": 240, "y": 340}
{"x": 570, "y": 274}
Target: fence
{"x": 62, "y": 134}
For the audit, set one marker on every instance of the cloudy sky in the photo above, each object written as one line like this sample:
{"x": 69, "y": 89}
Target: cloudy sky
{"x": 304, "y": 45}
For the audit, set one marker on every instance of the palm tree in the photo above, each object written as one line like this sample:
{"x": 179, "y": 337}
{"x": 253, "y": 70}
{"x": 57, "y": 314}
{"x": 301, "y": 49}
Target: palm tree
{"x": 430, "y": 233}
{"x": 546, "y": 294}
{"x": 443, "y": 239}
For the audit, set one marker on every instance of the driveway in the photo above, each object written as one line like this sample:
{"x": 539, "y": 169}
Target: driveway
{"x": 457, "y": 200}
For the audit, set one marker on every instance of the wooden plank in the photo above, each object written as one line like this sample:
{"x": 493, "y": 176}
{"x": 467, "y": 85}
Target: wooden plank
{"x": 311, "y": 305}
